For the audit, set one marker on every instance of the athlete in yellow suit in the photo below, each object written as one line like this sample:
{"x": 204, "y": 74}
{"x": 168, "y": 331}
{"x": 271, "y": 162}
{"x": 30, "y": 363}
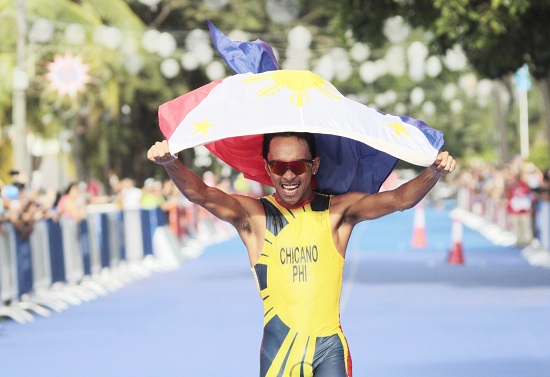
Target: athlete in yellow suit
{"x": 299, "y": 276}
{"x": 296, "y": 242}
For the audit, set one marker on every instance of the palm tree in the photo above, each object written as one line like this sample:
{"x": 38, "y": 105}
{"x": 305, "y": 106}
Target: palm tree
{"x": 93, "y": 30}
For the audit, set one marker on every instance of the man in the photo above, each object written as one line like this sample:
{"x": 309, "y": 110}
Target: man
{"x": 519, "y": 204}
{"x": 296, "y": 241}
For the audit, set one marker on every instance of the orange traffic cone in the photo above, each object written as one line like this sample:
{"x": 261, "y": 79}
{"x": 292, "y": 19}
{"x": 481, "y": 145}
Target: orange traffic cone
{"x": 456, "y": 256}
{"x": 419, "y": 227}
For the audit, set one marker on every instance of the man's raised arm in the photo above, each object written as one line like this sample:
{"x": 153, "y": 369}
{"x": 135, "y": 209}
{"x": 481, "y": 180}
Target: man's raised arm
{"x": 222, "y": 205}
{"x": 357, "y": 207}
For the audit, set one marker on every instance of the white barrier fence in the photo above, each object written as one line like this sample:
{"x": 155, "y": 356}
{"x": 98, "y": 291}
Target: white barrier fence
{"x": 66, "y": 263}
{"x": 494, "y": 212}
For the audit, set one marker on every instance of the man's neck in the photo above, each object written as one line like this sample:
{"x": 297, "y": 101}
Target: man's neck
{"x": 301, "y": 203}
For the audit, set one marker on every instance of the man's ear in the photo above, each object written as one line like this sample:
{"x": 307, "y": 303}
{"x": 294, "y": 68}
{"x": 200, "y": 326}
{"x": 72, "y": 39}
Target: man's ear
{"x": 266, "y": 166}
{"x": 316, "y": 164}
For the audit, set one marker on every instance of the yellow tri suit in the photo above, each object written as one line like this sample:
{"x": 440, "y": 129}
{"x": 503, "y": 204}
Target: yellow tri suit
{"x": 299, "y": 276}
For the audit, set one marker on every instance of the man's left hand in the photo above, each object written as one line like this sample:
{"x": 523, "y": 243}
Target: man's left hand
{"x": 444, "y": 164}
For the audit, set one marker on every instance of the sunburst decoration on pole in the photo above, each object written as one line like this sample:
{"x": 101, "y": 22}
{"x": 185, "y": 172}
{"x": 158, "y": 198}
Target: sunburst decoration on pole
{"x": 68, "y": 75}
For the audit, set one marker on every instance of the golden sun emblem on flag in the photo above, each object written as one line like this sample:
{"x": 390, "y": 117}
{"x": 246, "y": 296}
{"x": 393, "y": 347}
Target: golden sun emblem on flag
{"x": 299, "y": 82}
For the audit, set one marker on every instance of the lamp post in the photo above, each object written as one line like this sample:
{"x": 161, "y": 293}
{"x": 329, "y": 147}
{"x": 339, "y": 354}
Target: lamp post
{"x": 20, "y": 84}
{"x": 523, "y": 85}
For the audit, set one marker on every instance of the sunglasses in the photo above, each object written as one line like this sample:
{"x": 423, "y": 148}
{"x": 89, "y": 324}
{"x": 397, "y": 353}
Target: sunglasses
{"x": 297, "y": 167}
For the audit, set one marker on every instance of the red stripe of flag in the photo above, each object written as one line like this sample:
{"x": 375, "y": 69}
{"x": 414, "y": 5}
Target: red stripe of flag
{"x": 172, "y": 113}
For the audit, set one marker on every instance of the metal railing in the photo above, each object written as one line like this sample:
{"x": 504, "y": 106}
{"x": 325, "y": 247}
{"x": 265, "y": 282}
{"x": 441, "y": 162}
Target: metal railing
{"x": 65, "y": 262}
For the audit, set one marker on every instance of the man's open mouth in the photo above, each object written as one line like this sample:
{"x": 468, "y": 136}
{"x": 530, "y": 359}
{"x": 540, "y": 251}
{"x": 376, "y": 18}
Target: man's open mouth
{"x": 290, "y": 189}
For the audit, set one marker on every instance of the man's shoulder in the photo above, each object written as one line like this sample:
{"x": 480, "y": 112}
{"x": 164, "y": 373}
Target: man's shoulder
{"x": 348, "y": 197}
{"x": 250, "y": 203}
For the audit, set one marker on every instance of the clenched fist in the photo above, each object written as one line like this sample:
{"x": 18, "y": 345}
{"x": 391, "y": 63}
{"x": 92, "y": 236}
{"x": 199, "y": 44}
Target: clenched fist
{"x": 160, "y": 153}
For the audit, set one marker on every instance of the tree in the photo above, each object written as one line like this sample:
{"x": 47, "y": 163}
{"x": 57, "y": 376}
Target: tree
{"x": 497, "y": 36}
{"x": 102, "y": 136}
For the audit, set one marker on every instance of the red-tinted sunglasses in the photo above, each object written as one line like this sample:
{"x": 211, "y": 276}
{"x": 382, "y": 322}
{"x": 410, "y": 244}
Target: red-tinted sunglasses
{"x": 297, "y": 167}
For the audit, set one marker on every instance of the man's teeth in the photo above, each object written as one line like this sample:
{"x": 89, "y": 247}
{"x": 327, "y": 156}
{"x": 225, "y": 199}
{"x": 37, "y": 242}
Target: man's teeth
{"x": 290, "y": 187}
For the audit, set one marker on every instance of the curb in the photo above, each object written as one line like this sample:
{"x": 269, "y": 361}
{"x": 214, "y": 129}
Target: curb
{"x": 534, "y": 254}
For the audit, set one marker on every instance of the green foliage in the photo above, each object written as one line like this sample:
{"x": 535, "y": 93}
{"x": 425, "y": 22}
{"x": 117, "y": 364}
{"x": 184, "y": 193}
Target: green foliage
{"x": 366, "y": 18}
{"x": 6, "y": 152}
{"x": 496, "y": 35}
{"x": 63, "y": 10}
{"x": 116, "y": 13}
{"x": 539, "y": 154}
{"x": 6, "y": 69}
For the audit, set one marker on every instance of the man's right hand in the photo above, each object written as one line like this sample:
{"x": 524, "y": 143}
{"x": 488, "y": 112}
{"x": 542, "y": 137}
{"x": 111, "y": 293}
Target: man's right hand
{"x": 160, "y": 153}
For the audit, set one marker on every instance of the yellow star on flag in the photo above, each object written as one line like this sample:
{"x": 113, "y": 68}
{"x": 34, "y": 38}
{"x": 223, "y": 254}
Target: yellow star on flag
{"x": 399, "y": 129}
{"x": 202, "y": 127}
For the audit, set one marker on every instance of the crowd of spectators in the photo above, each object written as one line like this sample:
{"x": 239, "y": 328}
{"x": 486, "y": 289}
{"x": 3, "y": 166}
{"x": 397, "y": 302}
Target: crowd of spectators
{"x": 23, "y": 205}
{"x": 508, "y": 194}
{"x": 514, "y": 188}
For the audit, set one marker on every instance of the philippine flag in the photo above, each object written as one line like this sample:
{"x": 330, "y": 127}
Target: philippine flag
{"x": 358, "y": 145}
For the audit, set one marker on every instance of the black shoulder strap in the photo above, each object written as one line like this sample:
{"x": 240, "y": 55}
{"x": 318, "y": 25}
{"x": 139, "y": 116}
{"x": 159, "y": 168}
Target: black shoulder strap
{"x": 320, "y": 203}
{"x": 274, "y": 219}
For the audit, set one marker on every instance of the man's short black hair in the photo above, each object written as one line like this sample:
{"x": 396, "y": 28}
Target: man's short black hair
{"x": 309, "y": 139}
